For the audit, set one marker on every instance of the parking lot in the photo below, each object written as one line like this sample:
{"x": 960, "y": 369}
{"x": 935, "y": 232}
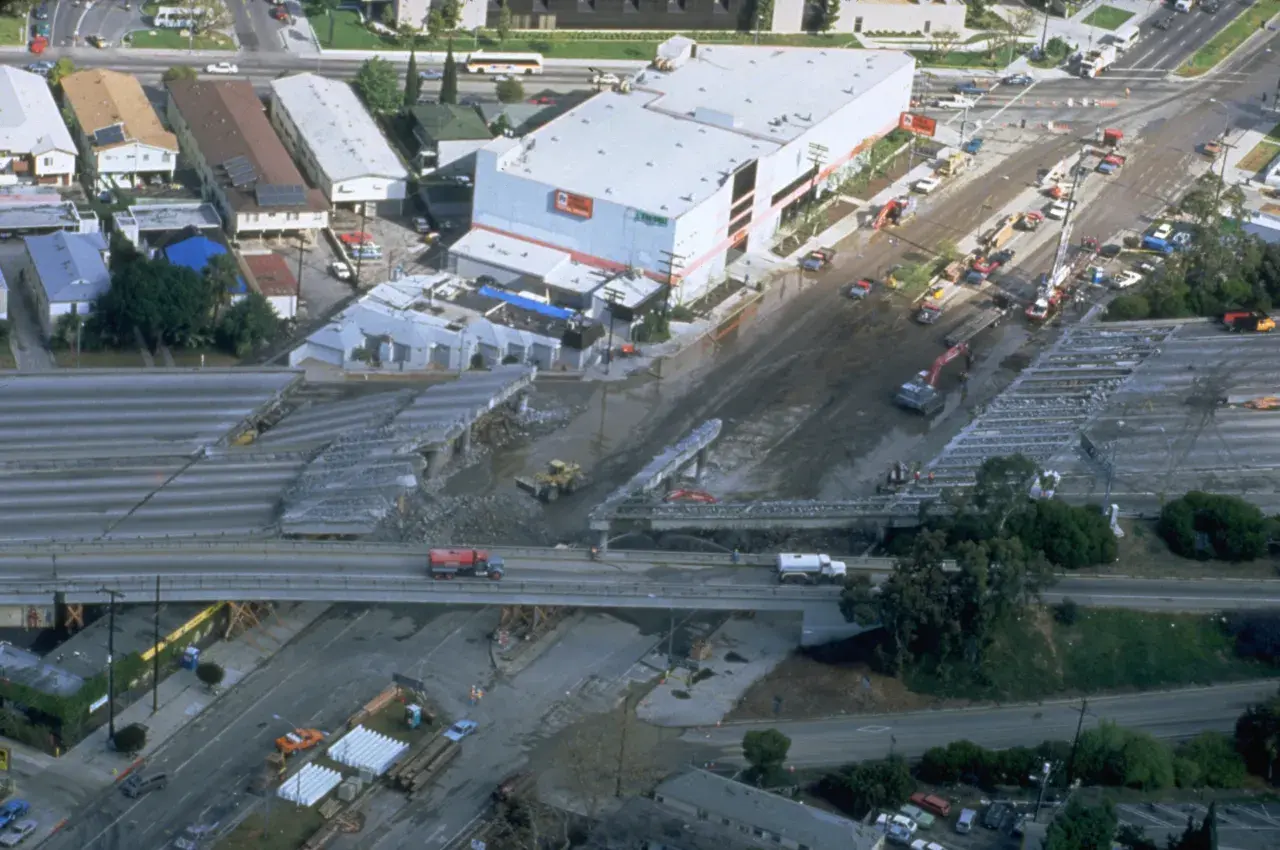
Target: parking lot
{"x": 1249, "y": 826}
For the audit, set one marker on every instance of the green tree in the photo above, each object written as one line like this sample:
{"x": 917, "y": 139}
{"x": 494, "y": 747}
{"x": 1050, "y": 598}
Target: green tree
{"x": 765, "y": 750}
{"x": 1128, "y": 307}
{"x": 328, "y": 8}
{"x": 166, "y": 303}
{"x": 1258, "y": 739}
{"x": 504, "y": 22}
{"x": 451, "y": 13}
{"x": 1203, "y": 525}
{"x": 857, "y": 789}
{"x": 1070, "y": 536}
{"x": 210, "y": 674}
{"x": 388, "y": 15}
{"x": 1217, "y": 762}
{"x": 449, "y": 78}
{"x": 250, "y": 324}
{"x": 222, "y": 279}
{"x": 830, "y": 14}
{"x": 943, "y": 42}
{"x": 1133, "y": 838}
{"x": 130, "y": 739}
{"x": 509, "y": 90}
{"x": 1082, "y": 827}
{"x": 60, "y": 69}
{"x": 412, "y": 81}
{"x": 435, "y": 25}
{"x": 1001, "y": 487}
{"x": 179, "y": 72}
{"x": 378, "y": 85}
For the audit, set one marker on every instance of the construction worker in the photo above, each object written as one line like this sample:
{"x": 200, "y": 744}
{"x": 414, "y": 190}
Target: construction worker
{"x": 1126, "y": 92}
{"x": 595, "y": 552}
{"x": 736, "y": 556}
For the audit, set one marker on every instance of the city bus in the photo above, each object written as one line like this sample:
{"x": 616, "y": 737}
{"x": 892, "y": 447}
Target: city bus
{"x": 175, "y": 17}
{"x": 481, "y": 62}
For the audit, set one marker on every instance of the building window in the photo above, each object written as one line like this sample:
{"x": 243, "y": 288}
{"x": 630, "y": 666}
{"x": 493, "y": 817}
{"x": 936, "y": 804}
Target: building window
{"x": 48, "y": 160}
{"x": 165, "y": 157}
{"x": 927, "y": 26}
{"x": 586, "y": 5}
{"x": 722, "y": 5}
{"x": 675, "y": 5}
{"x": 857, "y": 24}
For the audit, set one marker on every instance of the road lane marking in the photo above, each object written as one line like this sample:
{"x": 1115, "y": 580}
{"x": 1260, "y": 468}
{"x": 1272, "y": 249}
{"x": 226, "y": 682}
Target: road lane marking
{"x": 873, "y": 730}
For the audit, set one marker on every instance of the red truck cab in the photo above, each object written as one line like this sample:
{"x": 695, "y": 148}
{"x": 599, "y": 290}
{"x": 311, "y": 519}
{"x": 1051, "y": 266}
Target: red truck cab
{"x": 448, "y": 563}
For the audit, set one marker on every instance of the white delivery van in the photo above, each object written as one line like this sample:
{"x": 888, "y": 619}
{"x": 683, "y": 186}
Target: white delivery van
{"x": 1184, "y": 5}
{"x": 955, "y": 101}
{"x": 1126, "y": 37}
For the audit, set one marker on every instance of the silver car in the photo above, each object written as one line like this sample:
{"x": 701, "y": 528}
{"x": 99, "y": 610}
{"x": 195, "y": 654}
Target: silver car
{"x": 18, "y": 833}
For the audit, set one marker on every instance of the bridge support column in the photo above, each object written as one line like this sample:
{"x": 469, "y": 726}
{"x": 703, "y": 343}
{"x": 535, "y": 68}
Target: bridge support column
{"x": 521, "y": 403}
{"x": 435, "y": 462}
{"x": 464, "y": 441}
{"x": 699, "y": 465}
{"x": 603, "y": 541}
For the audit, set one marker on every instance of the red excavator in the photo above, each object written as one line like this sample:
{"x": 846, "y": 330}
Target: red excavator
{"x": 691, "y": 496}
{"x": 920, "y": 393}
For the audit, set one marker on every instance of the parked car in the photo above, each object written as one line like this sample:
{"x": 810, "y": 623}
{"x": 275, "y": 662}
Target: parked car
{"x": 460, "y": 730}
{"x": 40, "y": 13}
{"x": 421, "y": 224}
{"x": 996, "y": 813}
{"x": 1110, "y": 250}
{"x": 43, "y": 67}
{"x": 1210, "y": 6}
{"x": 222, "y": 68}
{"x": 861, "y": 288}
{"x": 1018, "y": 80}
{"x": 18, "y": 833}
{"x": 926, "y": 185}
{"x": 13, "y": 810}
{"x": 41, "y": 28}
{"x": 340, "y": 270}
{"x": 898, "y": 834}
{"x": 923, "y": 819}
{"x": 965, "y": 824}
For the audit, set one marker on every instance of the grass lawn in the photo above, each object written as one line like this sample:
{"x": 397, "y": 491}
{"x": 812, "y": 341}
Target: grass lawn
{"x": 1107, "y": 18}
{"x": 1260, "y": 157}
{"x": 110, "y": 359}
{"x": 290, "y": 827}
{"x": 13, "y": 29}
{"x": 350, "y": 34}
{"x": 1232, "y": 36}
{"x": 968, "y": 59}
{"x": 190, "y": 358}
{"x": 1105, "y": 650}
{"x": 163, "y": 39}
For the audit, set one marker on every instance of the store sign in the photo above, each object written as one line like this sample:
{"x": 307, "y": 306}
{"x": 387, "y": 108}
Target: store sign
{"x": 567, "y": 202}
{"x": 649, "y": 218}
{"x": 918, "y": 124}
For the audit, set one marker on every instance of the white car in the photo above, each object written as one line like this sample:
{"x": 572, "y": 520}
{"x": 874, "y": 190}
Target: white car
{"x": 1126, "y": 279}
{"x": 16, "y": 834}
{"x": 460, "y": 730}
{"x": 1059, "y": 209}
{"x": 927, "y": 185}
{"x": 605, "y": 79}
{"x": 222, "y": 68}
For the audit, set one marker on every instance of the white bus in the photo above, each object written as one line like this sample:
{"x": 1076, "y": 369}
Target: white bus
{"x": 1126, "y": 37}
{"x": 481, "y": 62}
{"x": 175, "y": 17}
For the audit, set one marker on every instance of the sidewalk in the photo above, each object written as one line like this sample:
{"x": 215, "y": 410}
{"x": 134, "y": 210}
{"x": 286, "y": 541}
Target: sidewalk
{"x": 182, "y": 697}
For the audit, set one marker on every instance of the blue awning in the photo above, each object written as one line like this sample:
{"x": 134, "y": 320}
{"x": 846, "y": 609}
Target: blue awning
{"x": 526, "y": 303}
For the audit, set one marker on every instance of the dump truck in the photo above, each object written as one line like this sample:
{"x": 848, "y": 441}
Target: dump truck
{"x": 1097, "y": 60}
{"x": 560, "y": 478}
{"x": 1249, "y": 321}
{"x": 421, "y": 768}
{"x": 450, "y": 563}
{"x": 809, "y": 569}
{"x": 974, "y": 325}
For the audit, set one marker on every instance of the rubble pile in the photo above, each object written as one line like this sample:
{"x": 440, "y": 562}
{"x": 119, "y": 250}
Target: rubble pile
{"x": 503, "y": 519}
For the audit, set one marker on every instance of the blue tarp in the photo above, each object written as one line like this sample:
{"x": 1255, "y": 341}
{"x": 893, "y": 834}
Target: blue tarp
{"x": 195, "y": 254}
{"x": 526, "y": 303}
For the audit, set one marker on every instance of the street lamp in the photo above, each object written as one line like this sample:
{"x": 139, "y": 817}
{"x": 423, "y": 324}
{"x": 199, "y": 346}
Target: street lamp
{"x": 111, "y": 654}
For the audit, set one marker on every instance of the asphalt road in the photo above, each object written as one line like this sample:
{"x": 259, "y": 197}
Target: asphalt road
{"x": 1164, "y": 714}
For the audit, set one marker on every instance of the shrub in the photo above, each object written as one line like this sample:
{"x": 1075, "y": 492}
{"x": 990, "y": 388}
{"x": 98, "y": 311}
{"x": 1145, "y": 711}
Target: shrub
{"x": 209, "y": 673}
{"x": 1207, "y": 525}
{"x": 130, "y": 739}
{"x": 1257, "y": 634}
{"x": 1216, "y": 761}
{"x": 1066, "y": 612}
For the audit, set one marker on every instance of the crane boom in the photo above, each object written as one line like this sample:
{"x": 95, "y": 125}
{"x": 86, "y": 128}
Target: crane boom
{"x": 943, "y": 359}
{"x": 1059, "y": 269}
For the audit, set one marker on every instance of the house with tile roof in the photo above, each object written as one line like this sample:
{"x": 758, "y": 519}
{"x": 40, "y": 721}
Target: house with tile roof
{"x": 245, "y": 169}
{"x": 65, "y": 272}
{"x": 448, "y": 137}
{"x": 35, "y": 146}
{"x": 119, "y": 134}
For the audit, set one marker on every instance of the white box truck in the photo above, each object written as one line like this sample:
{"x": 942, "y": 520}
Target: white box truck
{"x": 809, "y": 569}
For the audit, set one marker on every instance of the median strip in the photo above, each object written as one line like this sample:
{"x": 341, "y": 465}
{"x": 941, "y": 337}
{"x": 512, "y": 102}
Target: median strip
{"x": 1230, "y": 38}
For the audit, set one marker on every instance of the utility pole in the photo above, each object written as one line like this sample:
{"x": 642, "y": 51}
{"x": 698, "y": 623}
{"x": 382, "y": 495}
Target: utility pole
{"x": 611, "y": 297}
{"x": 155, "y": 654}
{"x": 113, "y": 595}
{"x": 297, "y": 293}
{"x": 1075, "y": 742}
{"x": 360, "y": 256}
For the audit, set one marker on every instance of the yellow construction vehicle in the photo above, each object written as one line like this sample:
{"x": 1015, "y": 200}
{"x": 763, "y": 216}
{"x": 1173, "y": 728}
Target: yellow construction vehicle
{"x": 954, "y": 164}
{"x": 560, "y": 477}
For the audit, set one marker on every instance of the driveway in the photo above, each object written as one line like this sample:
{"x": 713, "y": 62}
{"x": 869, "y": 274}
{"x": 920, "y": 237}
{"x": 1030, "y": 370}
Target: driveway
{"x": 25, "y": 336}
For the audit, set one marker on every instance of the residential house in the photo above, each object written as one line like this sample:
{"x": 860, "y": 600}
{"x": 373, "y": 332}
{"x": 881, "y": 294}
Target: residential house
{"x": 327, "y": 129}
{"x": 244, "y": 168}
{"x": 65, "y": 273}
{"x": 35, "y": 146}
{"x": 761, "y": 817}
{"x": 119, "y": 133}
{"x": 448, "y": 137}
{"x": 271, "y": 276}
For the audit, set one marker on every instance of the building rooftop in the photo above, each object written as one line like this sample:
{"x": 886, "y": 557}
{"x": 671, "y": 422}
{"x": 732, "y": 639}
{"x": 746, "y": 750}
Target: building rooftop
{"x": 30, "y": 122}
{"x": 102, "y": 99}
{"x": 36, "y": 213}
{"x": 272, "y": 274}
{"x": 70, "y": 266}
{"x": 195, "y": 253}
{"x": 341, "y": 135}
{"x": 151, "y": 218}
{"x": 230, "y": 127}
{"x": 805, "y": 825}
{"x": 448, "y": 122}
{"x": 753, "y": 90}
{"x": 508, "y": 252}
{"x": 612, "y": 148}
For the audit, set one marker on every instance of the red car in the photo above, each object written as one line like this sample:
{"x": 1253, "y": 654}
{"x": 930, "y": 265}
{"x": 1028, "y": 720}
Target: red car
{"x": 985, "y": 265}
{"x": 39, "y": 44}
{"x": 280, "y": 13}
{"x": 543, "y": 101}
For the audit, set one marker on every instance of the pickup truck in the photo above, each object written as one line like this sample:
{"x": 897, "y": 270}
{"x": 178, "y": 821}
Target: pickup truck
{"x": 1111, "y": 163}
{"x": 972, "y": 146}
{"x": 861, "y": 289}
{"x": 929, "y": 313}
{"x": 817, "y": 260}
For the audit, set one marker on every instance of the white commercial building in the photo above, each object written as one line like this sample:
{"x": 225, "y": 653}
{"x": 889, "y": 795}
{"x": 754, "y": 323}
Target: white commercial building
{"x": 690, "y": 169}
{"x": 328, "y": 130}
{"x": 878, "y": 17}
{"x": 34, "y": 143}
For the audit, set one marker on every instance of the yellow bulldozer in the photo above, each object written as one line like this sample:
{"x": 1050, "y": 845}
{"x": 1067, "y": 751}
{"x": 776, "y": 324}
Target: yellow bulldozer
{"x": 559, "y": 478}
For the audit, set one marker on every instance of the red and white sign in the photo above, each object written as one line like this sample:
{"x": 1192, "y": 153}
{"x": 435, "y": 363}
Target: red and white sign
{"x": 567, "y": 202}
{"x": 918, "y": 124}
